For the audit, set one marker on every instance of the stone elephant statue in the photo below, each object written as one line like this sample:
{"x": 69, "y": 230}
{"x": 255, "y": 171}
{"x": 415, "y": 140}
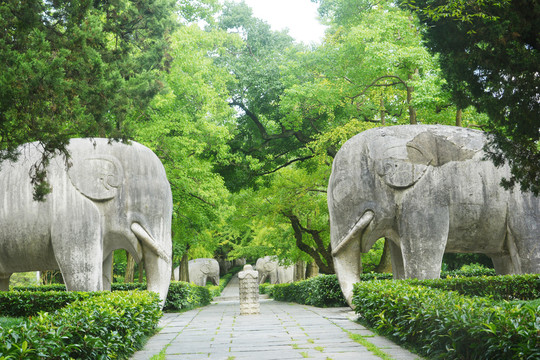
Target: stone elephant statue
{"x": 269, "y": 267}
{"x": 428, "y": 190}
{"x": 113, "y": 196}
{"x": 200, "y": 270}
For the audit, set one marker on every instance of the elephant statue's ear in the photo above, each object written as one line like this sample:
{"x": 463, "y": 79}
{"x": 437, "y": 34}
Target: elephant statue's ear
{"x": 270, "y": 266}
{"x": 98, "y": 178}
{"x": 404, "y": 165}
{"x": 206, "y": 268}
{"x": 399, "y": 173}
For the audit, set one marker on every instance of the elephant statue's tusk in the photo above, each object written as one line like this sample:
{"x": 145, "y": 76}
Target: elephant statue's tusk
{"x": 359, "y": 227}
{"x": 148, "y": 240}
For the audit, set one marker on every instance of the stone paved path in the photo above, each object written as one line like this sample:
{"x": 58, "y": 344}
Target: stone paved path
{"x": 282, "y": 331}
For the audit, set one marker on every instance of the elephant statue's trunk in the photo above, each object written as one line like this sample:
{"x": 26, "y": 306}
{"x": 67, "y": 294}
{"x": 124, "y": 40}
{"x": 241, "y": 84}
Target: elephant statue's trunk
{"x": 355, "y": 232}
{"x": 347, "y": 257}
{"x": 157, "y": 262}
{"x": 149, "y": 241}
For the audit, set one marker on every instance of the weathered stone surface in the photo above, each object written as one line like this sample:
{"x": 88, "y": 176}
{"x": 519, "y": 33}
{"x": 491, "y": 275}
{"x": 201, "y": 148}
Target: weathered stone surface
{"x": 268, "y": 267}
{"x": 113, "y": 196}
{"x": 428, "y": 190}
{"x": 249, "y": 291}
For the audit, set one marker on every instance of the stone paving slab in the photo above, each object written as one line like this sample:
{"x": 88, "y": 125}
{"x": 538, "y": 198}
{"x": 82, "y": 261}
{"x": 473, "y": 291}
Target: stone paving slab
{"x": 283, "y": 331}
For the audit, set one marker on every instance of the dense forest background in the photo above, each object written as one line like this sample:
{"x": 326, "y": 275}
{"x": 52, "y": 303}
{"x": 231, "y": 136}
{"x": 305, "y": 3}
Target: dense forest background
{"x": 247, "y": 121}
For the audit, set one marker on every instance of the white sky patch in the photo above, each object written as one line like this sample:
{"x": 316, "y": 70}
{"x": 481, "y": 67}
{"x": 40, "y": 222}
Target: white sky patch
{"x": 299, "y": 16}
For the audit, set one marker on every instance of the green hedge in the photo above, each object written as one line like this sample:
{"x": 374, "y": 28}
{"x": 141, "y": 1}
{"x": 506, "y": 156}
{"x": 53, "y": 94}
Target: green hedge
{"x": 321, "y": 291}
{"x": 100, "y": 326}
{"x": 502, "y": 287}
{"x": 447, "y": 325}
{"x": 185, "y": 296}
{"x": 28, "y": 301}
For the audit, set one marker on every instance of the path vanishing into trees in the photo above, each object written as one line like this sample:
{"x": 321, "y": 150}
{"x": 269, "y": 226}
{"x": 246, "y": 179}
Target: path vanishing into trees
{"x": 282, "y": 331}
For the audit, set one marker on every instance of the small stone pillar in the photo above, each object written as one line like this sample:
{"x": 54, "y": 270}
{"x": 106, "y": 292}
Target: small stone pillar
{"x": 249, "y": 291}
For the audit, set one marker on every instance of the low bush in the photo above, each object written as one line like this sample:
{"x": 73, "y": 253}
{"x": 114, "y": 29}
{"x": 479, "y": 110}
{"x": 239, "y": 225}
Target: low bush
{"x": 447, "y": 325}
{"x": 28, "y": 301}
{"x": 502, "y": 287}
{"x": 101, "y": 326}
{"x": 184, "y": 296}
{"x": 321, "y": 291}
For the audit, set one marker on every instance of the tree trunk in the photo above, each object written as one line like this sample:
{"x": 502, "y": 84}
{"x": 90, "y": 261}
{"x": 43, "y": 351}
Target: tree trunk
{"x": 184, "y": 269}
{"x": 385, "y": 265}
{"x": 383, "y": 112}
{"x": 412, "y": 110}
{"x": 112, "y": 268}
{"x": 141, "y": 271}
{"x": 299, "y": 270}
{"x": 318, "y": 253}
{"x": 459, "y": 116}
{"x": 312, "y": 270}
{"x": 130, "y": 268}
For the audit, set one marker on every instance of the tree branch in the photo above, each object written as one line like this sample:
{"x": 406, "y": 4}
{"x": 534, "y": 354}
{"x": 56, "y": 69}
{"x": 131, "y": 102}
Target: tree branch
{"x": 285, "y": 165}
{"x": 321, "y": 250}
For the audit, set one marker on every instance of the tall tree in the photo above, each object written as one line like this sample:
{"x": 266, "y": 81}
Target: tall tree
{"x": 490, "y": 56}
{"x": 188, "y": 126}
{"x": 76, "y": 68}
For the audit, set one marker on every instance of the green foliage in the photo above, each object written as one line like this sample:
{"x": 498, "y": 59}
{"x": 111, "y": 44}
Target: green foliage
{"x": 7, "y": 322}
{"x": 321, "y": 291}
{"x": 104, "y": 326}
{"x": 444, "y": 324}
{"x": 23, "y": 279}
{"x": 291, "y": 221}
{"x": 185, "y": 296}
{"x": 507, "y": 287}
{"x": 371, "y": 259}
{"x": 76, "y": 69}
{"x": 187, "y": 126}
{"x": 27, "y": 303}
{"x": 455, "y": 261}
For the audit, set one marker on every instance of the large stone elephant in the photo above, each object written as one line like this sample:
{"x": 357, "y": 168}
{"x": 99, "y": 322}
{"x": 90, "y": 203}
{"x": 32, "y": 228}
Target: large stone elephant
{"x": 200, "y": 270}
{"x": 269, "y": 267}
{"x": 112, "y": 196}
{"x": 428, "y": 190}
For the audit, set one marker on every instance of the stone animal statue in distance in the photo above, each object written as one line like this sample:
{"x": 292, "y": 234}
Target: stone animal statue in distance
{"x": 202, "y": 269}
{"x": 113, "y": 196}
{"x": 428, "y": 189}
{"x": 269, "y": 268}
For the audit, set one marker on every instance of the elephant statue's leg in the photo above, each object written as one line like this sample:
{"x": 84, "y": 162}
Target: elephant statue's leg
{"x": 107, "y": 272}
{"x": 4, "y": 282}
{"x": 522, "y": 239}
{"x": 423, "y": 239}
{"x": 398, "y": 270}
{"x": 78, "y": 250}
{"x": 503, "y": 264}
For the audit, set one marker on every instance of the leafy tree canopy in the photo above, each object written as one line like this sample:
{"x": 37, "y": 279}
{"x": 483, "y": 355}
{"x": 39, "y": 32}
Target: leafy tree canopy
{"x": 76, "y": 68}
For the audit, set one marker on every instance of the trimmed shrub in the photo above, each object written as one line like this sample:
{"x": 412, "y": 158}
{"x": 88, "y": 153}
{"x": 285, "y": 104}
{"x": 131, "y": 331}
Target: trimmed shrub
{"x": 104, "y": 326}
{"x": 185, "y": 296}
{"x": 181, "y": 296}
{"x": 502, "y": 287}
{"x": 321, "y": 291}
{"x": 447, "y": 325}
